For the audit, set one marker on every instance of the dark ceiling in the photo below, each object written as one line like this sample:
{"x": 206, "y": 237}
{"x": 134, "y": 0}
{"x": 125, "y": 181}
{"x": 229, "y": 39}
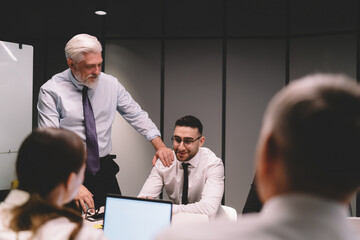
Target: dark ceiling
{"x": 34, "y": 19}
{"x": 26, "y": 20}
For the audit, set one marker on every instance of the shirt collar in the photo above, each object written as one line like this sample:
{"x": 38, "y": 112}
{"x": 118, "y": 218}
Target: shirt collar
{"x": 302, "y": 203}
{"x": 194, "y": 162}
{"x": 76, "y": 83}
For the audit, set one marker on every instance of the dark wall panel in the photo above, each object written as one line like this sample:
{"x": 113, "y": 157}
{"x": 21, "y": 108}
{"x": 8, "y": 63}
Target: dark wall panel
{"x": 193, "y": 87}
{"x": 328, "y": 53}
{"x": 255, "y": 71}
{"x": 136, "y": 64}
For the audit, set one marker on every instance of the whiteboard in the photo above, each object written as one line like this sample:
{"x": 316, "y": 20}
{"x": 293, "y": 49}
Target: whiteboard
{"x": 16, "y": 92}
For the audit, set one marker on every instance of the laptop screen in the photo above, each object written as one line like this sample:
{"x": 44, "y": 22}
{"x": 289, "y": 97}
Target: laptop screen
{"x": 135, "y": 218}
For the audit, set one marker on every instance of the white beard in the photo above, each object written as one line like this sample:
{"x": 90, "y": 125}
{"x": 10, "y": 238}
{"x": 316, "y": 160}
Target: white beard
{"x": 90, "y": 84}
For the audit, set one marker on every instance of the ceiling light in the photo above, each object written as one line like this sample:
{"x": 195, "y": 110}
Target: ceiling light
{"x": 101, "y": 13}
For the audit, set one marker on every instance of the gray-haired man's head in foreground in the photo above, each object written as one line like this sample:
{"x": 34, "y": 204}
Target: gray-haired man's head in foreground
{"x": 310, "y": 139}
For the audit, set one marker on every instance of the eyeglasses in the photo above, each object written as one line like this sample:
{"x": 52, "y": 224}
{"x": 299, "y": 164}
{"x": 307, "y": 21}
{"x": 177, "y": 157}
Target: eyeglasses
{"x": 187, "y": 141}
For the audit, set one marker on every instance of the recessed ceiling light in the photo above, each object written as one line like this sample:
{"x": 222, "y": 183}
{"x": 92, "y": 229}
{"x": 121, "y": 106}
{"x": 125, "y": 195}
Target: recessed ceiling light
{"x": 101, "y": 13}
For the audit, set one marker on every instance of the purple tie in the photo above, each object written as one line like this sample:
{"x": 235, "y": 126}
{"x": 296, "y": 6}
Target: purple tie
{"x": 92, "y": 147}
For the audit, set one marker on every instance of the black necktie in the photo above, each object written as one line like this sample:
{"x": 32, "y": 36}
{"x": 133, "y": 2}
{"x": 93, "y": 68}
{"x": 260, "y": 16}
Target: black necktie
{"x": 184, "y": 199}
{"x": 92, "y": 147}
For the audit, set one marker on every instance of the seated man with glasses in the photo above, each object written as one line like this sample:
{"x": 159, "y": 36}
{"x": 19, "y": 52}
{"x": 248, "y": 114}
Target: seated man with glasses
{"x": 195, "y": 181}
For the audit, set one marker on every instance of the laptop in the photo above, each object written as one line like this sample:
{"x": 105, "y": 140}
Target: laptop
{"x": 135, "y": 218}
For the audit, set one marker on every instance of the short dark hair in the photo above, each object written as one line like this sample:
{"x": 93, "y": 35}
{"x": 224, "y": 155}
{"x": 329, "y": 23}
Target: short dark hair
{"x": 190, "y": 121}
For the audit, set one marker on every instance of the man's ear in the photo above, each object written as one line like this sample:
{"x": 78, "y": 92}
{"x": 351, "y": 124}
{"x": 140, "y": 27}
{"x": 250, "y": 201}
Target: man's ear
{"x": 71, "y": 64}
{"x": 272, "y": 148}
{"x": 271, "y": 170}
{"x": 201, "y": 141}
{"x": 268, "y": 156}
{"x": 267, "y": 169}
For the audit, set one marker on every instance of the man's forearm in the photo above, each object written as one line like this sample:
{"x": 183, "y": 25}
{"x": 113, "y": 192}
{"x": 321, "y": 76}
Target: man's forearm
{"x": 157, "y": 143}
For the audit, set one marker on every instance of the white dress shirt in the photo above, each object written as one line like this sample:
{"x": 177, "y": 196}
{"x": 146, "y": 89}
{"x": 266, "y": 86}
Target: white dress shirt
{"x": 56, "y": 229}
{"x": 60, "y": 105}
{"x": 206, "y": 183}
{"x": 288, "y": 217}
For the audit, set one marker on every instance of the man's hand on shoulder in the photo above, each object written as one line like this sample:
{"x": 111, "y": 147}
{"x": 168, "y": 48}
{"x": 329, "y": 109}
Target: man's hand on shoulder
{"x": 165, "y": 155}
{"x": 84, "y": 196}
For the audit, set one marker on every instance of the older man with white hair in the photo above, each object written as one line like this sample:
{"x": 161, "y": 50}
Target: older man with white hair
{"x": 85, "y": 100}
{"x": 308, "y": 165}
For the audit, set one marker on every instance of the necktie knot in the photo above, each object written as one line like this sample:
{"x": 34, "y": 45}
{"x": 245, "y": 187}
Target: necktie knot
{"x": 84, "y": 90}
{"x": 185, "y": 165}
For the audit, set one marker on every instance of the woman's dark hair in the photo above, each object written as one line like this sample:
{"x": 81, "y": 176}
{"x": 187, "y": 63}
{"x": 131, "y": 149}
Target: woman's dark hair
{"x": 190, "y": 121}
{"x": 46, "y": 158}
